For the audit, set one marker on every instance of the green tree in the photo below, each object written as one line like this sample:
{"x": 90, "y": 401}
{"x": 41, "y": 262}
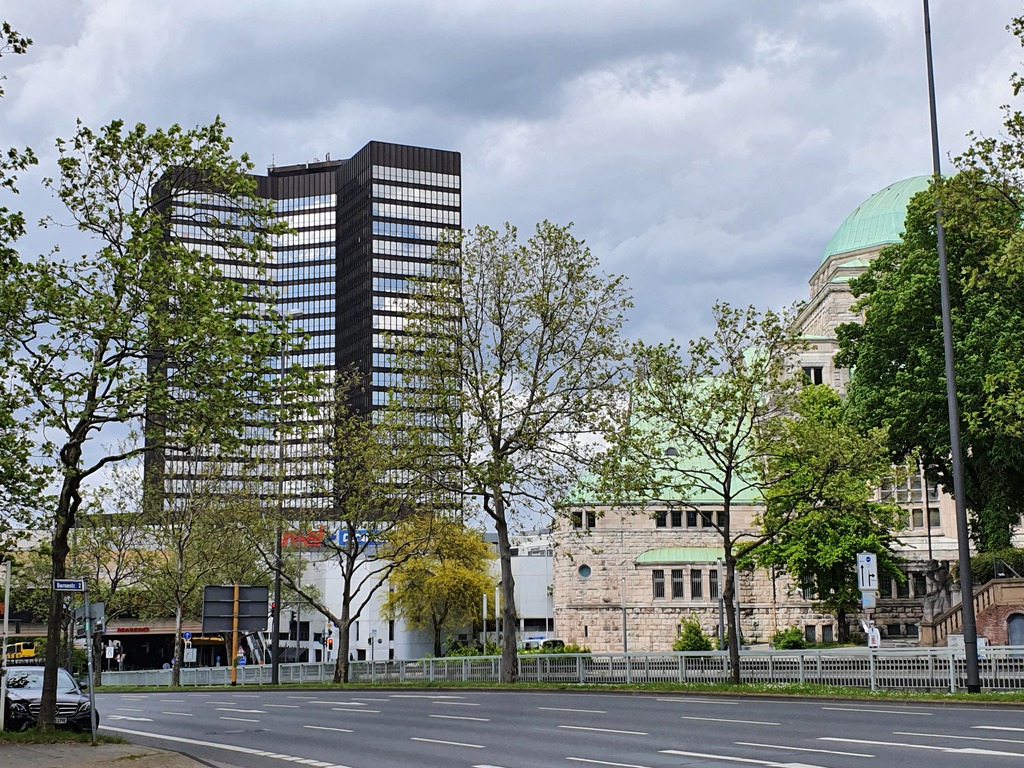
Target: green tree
{"x": 821, "y": 474}
{"x": 370, "y": 483}
{"x": 438, "y": 590}
{"x": 694, "y": 436}
{"x": 21, "y": 482}
{"x": 997, "y": 164}
{"x": 513, "y": 359}
{"x": 144, "y": 330}
{"x": 107, "y": 548}
{"x": 197, "y": 536}
{"x": 897, "y": 353}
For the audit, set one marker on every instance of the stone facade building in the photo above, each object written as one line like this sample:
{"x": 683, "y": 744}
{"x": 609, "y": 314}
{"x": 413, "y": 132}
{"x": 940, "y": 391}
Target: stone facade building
{"x": 625, "y": 580}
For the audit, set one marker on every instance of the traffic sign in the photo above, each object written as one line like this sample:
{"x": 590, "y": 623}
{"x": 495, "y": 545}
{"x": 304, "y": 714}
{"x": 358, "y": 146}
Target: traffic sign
{"x": 186, "y": 635}
{"x": 69, "y": 585}
{"x": 867, "y": 572}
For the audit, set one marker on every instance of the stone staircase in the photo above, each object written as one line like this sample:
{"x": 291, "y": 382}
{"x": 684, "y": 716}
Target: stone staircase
{"x": 993, "y": 602}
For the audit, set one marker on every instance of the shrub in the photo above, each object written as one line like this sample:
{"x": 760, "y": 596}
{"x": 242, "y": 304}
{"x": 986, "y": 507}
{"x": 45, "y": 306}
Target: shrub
{"x": 983, "y": 565}
{"x": 473, "y": 649}
{"x": 692, "y": 637}
{"x": 789, "y": 639}
{"x": 567, "y": 648}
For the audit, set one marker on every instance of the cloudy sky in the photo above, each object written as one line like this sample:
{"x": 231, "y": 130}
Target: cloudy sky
{"x": 708, "y": 150}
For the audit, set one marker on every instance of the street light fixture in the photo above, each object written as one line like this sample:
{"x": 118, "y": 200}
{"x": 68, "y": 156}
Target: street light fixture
{"x": 275, "y": 634}
{"x": 970, "y": 628}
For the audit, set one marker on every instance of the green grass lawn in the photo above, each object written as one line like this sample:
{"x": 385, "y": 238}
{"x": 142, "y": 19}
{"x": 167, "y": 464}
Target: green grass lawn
{"x": 35, "y": 736}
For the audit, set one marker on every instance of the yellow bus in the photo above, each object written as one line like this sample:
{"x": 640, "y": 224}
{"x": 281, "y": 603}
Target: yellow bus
{"x": 25, "y": 650}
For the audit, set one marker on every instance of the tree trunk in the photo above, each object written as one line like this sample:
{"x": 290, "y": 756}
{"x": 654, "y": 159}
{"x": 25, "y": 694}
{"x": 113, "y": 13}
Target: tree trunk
{"x": 341, "y": 670}
{"x": 67, "y": 505}
{"x": 729, "y": 601}
{"x": 176, "y": 663}
{"x": 438, "y": 651}
{"x": 95, "y": 644}
{"x": 509, "y": 620}
{"x": 843, "y": 633}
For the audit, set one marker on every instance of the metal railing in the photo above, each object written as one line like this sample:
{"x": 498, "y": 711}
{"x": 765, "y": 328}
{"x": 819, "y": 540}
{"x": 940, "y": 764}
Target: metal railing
{"x": 904, "y": 669}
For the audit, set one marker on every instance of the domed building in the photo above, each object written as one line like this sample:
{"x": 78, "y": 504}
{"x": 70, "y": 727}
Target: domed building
{"x": 874, "y": 224}
{"x": 625, "y": 581}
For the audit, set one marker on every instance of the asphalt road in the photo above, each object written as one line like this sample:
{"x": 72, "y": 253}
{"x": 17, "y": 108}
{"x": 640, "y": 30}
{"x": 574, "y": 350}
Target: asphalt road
{"x": 478, "y": 729}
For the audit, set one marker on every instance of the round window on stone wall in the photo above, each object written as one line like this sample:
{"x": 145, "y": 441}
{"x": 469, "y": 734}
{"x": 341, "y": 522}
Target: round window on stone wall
{"x": 584, "y": 571}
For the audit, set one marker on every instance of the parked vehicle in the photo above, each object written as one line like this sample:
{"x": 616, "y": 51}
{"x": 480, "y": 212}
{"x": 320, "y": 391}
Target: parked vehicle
{"x": 25, "y": 693}
{"x": 546, "y": 644}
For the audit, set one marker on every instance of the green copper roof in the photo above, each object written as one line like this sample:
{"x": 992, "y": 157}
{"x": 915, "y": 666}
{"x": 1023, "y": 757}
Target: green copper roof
{"x": 879, "y": 220}
{"x": 681, "y": 555}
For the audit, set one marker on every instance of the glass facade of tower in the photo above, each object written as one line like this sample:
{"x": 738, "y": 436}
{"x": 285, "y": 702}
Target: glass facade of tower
{"x": 359, "y": 228}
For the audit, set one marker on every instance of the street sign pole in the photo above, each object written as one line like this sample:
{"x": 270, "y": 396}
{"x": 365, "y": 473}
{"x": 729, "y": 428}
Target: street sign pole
{"x": 7, "y": 615}
{"x": 234, "y": 637}
{"x": 88, "y": 664}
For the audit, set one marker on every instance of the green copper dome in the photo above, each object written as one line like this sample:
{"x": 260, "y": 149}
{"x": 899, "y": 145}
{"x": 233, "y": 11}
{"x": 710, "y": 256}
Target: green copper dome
{"x": 879, "y": 220}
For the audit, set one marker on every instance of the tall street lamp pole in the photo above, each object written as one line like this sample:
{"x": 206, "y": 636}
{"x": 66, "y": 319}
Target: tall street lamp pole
{"x": 970, "y": 628}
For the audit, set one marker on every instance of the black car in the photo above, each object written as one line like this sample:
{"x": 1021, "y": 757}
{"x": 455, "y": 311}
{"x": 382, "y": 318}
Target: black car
{"x": 25, "y": 692}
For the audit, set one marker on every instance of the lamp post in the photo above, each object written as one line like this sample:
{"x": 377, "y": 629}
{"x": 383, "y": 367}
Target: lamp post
{"x": 970, "y": 628}
{"x": 275, "y": 634}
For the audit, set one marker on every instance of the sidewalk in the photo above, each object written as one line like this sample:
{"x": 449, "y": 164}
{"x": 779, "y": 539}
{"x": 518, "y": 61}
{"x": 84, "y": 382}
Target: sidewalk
{"x": 74, "y": 755}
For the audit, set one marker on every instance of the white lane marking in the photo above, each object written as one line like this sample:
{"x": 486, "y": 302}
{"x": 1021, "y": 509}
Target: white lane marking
{"x": 566, "y": 709}
{"x": 243, "y": 711}
{"x": 449, "y": 743}
{"x": 127, "y": 717}
{"x": 337, "y": 702}
{"x": 183, "y": 714}
{"x": 172, "y": 701}
{"x": 947, "y": 750}
{"x": 239, "y": 719}
{"x": 368, "y": 698}
{"x": 300, "y": 697}
{"x": 226, "y": 747}
{"x": 424, "y": 696}
{"x": 960, "y": 738}
{"x": 605, "y": 762}
{"x": 873, "y": 710}
{"x": 801, "y": 749}
{"x": 725, "y": 720}
{"x": 221, "y": 703}
{"x": 457, "y": 703}
{"x": 727, "y": 759}
{"x": 326, "y": 728}
{"x": 126, "y": 709}
{"x": 281, "y": 706}
{"x": 601, "y": 730}
{"x": 996, "y": 728}
{"x": 459, "y": 717}
{"x": 700, "y": 701}
{"x": 346, "y": 709}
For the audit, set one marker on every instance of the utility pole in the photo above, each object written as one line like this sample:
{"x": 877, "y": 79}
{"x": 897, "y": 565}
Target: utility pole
{"x": 963, "y": 534}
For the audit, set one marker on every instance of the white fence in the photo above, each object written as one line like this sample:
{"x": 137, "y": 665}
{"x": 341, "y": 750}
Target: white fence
{"x": 913, "y": 669}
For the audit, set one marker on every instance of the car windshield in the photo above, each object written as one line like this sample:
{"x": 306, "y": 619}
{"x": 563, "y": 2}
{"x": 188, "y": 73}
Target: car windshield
{"x": 32, "y": 680}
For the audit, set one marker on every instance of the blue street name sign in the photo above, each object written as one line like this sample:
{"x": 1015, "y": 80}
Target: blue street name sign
{"x": 69, "y": 585}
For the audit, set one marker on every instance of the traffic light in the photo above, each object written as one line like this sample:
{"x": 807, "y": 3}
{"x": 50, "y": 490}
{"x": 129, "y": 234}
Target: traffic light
{"x": 330, "y": 643}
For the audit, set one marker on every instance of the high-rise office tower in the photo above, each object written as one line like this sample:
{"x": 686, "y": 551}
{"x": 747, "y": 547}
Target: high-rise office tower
{"x": 360, "y": 228}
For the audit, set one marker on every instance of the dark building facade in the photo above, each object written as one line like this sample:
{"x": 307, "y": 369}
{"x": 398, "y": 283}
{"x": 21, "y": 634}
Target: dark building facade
{"x": 359, "y": 228}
